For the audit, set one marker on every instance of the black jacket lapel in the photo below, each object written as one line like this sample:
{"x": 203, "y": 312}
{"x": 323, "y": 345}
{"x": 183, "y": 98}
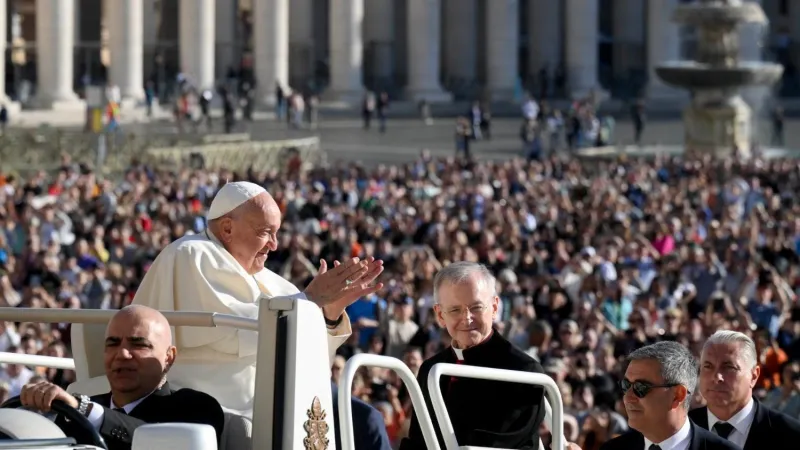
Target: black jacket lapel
{"x": 695, "y": 443}
{"x": 760, "y": 429}
{"x": 164, "y": 390}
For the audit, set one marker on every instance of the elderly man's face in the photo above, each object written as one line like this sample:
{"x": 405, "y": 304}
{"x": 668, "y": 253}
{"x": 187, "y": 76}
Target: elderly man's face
{"x": 138, "y": 353}
{"x": 467, "y": 311}
{"x": 650, "y": 412}
{"x": 725, "y": 378}
{"x": 250, "y": 235}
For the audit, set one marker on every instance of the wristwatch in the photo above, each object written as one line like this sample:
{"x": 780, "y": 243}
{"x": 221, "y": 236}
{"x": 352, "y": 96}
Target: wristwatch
{"x": 83, "y": 403}
{"x": 333, "y": 323}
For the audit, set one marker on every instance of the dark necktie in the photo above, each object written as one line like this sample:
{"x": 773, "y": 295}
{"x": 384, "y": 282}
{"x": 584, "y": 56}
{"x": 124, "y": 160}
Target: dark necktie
{"x": 120, "y": 410}
{"x": 654, "y": 447}
{"x": 723, "y": 429}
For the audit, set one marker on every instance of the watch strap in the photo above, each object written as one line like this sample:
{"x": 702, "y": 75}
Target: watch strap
{"x": 83, "y": 403}
{"x": 333, "y": 323}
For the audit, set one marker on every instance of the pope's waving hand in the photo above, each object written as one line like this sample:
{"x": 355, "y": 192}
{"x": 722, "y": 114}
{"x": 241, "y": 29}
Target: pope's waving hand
{"x": 222, "y": 270}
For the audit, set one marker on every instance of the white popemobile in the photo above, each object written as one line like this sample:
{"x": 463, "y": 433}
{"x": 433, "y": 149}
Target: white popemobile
{"x": 293, "y": 393}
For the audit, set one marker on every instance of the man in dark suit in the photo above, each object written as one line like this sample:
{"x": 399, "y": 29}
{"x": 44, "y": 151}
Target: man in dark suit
{"x": 728, "y": 372}
{"x": 138, "y": 355}
{"x": 369, "y": 429}
{"x": 657, "y": 387}
{"x": 483, "y": 413}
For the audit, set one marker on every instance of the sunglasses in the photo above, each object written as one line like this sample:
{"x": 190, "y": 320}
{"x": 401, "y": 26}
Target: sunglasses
{"x": 641, "y": 388}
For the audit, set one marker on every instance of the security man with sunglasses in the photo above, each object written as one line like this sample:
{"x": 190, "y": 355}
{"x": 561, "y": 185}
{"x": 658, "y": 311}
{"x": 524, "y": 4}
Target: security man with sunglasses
{"x": 728, "y": 372}
{"x": 657, "y": 393}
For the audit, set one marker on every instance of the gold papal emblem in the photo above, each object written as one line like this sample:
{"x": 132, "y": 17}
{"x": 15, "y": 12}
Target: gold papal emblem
{"x": 316, "y": 427}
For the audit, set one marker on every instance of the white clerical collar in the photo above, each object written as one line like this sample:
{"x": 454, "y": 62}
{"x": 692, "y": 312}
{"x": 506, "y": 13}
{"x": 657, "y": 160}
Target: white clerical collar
{"x": 129, "y": 407}
{"x": 460, "y": 351}
{"x": 740, "y": 421}
{"x": 678, "y": 441}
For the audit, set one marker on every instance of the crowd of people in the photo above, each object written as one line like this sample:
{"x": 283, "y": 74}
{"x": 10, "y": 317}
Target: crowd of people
{"x": 592, "y": 260}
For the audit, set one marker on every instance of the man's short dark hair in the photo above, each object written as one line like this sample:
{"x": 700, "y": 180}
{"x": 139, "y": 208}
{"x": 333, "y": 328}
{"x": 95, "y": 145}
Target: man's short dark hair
{"x": 678, "y": 365}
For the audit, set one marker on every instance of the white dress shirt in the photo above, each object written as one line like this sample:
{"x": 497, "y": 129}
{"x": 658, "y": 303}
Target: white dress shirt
{"x": 741, "y": 421}
{"x": 678, "y": 441}
{"x": 96, "y": 414}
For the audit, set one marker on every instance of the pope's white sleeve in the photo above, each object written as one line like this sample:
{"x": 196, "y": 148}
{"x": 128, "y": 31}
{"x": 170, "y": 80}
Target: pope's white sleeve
{"x": 338, "y": 336}
{"x": 202, "y": 283}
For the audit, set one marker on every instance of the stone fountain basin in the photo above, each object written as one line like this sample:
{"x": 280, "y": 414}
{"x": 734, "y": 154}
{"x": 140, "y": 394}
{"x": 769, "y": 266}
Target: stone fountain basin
{"x": 710, "y": 14}
{"x": 694, "y": 75}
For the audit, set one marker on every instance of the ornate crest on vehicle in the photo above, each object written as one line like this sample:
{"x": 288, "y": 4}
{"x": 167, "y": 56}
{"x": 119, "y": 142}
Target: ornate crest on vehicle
{"x": 316, "y": 427}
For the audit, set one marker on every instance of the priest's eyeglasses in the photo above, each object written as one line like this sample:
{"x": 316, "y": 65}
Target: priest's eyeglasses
{"x": 460, "y": 311}
{"x": 642, "y": 388}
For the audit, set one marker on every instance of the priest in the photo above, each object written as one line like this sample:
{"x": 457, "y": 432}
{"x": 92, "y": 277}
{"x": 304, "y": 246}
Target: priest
{"x": 222, "y": 270}
{"x": 483, "y": 413}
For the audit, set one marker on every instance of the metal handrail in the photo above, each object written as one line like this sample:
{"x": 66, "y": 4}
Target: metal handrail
{"x": 37, "y": 360}
{"x": 414, "y": 391}
{"x": 485, "y": 373}
{"x": 102, "y": 316}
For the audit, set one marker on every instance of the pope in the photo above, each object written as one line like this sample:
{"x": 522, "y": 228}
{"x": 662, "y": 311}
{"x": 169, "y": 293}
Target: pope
{"x": 222, "y": 270}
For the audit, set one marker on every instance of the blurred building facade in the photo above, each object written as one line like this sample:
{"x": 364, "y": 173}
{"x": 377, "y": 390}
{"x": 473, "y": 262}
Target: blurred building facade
{"x": 433, "y": 49}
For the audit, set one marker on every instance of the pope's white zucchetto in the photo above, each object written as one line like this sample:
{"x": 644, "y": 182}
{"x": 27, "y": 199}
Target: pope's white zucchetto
{"x": 231, "y": 196}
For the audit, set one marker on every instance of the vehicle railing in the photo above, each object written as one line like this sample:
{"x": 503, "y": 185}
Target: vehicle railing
{"x": 102, "y": 316}
{"x": 414, "y": 391}
{"x": 555, "y": 421}
{"x": 51, "y": 362}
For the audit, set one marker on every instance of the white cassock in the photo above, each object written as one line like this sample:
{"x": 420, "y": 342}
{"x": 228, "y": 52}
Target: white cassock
{"x": 196, "y": 273}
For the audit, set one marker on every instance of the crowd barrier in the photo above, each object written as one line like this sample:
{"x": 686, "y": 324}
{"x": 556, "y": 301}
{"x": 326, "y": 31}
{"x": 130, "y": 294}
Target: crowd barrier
{"x": 24, "y": 152}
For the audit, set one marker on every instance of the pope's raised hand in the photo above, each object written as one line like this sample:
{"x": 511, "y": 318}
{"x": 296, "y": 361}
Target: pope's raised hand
{"x": 333, "y": 290}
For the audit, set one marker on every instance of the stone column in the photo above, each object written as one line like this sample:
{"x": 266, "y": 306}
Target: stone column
{"x": 424, "y": 51}
{"x": 346, "y": 50}
{"x": 126, "y": 35}
{"x": 271, "y": 41}
{"x": 502, "y": 71}
{"x": 663, "y": 44}
{"x": 196, "y": 33}
{"x": 461, "y": 39}
{"x": 545, "y": 42}
{"x": 55, "y": 37}
{"x": 582, "y": 40}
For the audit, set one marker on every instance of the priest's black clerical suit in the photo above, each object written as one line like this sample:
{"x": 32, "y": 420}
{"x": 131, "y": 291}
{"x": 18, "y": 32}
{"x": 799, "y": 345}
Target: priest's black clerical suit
{"x": 485, "y": 413}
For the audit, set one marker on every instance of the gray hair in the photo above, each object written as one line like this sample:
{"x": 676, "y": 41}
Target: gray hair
{"x": 748, "y": 347}
{"x": 463, "y": 272}
{"x": 678, "y": 366}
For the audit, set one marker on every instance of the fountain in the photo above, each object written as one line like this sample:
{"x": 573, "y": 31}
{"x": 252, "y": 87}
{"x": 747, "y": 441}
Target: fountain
{"x": 718, "y": 120}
